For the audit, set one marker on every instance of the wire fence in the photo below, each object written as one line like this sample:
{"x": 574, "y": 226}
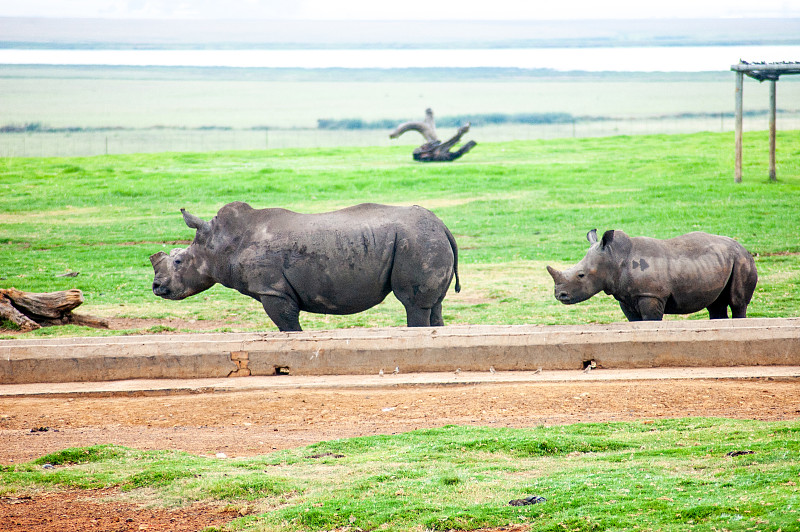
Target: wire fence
{"x": 122, "y": 141}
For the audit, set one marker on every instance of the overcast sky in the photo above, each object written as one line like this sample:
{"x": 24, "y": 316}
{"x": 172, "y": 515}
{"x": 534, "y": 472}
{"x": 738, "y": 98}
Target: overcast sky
{"x": 400, "y": 9}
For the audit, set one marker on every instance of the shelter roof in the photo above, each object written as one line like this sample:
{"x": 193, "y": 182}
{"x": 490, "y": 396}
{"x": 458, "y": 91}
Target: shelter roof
{"x": 762, "y": 70}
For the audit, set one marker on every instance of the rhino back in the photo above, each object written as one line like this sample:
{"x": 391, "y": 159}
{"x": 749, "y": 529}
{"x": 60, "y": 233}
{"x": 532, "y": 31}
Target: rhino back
{"x": 689, "y": 271}
{"x": 337, "y": 262}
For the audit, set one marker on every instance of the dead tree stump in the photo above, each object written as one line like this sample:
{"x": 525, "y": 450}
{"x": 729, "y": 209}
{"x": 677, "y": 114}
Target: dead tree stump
{"x": 30, "y": 311}
{"x": 434, "y": 150}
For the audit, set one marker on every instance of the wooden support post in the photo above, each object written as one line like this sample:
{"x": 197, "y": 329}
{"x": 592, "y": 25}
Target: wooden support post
{"x": 772, "y": 128}
{"x": 739, "y": 87}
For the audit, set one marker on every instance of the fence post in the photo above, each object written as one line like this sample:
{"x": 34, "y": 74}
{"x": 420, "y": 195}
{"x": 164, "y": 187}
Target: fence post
{"x": 772, "y": 112}
{"x": 739, "y": 87}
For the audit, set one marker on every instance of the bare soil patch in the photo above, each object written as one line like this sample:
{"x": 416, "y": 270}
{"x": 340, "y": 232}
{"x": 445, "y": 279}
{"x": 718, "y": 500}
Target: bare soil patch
{"x": 146, "y": 326}
{"x": 164, "y": 325}
{"x": 245, "y": 423}
{"x": 85, "y": 511}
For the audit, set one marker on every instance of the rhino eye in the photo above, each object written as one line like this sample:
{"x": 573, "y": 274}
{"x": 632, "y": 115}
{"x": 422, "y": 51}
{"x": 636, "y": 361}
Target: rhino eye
{"x": 177, "y": 262}
{"x": 581, "y": 275}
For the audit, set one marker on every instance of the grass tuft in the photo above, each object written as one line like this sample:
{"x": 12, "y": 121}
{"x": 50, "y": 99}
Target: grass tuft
{"x": 81, "y": 455}
{"x": 666, "y": 475}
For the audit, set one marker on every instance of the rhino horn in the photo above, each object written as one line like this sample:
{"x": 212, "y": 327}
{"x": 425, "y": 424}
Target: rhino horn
{"x": 155, "y": 258}
{"x": 591, "y": 236}
{"x": 555, "y": 274}
{"x": 194, "y": 222}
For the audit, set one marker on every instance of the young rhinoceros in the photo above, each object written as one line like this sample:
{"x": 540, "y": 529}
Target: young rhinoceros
{"x": 651, "y": 277}
{"x": 340, "y": 262}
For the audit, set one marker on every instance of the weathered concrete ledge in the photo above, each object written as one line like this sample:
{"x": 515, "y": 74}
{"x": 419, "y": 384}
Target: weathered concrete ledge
{"x": 719, "y": 343}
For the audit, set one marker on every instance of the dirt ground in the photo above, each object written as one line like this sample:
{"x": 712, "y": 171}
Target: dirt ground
{"x": 245, "y": 423}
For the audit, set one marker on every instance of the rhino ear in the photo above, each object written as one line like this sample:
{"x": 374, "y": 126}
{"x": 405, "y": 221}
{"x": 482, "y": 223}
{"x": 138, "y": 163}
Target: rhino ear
{"x": 608, "y": 237}
{"x": 591, "y": 236}
{"x": 194, "y": 222}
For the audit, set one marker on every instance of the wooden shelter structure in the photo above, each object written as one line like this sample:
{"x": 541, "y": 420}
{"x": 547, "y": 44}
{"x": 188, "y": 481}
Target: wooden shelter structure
{"x": 760, "y": 71}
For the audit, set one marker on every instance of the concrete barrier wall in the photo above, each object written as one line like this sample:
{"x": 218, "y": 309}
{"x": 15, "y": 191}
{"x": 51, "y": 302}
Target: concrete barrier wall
{"x": 702, "y": 343}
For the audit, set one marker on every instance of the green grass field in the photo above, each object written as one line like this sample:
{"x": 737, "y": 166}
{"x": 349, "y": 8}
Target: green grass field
{"x": 514, "y": 208}
{"x": 666, "y": 475}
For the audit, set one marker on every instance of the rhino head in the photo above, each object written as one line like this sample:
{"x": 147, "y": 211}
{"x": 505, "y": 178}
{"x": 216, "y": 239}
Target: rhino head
{"x": 184, "y": 272}
{"x": 595, "y": 272}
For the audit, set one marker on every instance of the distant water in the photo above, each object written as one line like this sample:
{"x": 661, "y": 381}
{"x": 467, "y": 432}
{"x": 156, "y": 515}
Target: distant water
{"x": 640, "y": 59}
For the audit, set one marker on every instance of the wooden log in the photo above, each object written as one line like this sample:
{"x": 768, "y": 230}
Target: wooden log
{"x": 75, "y": 319}
{"x": 30, "y": 310}
{"x": 87, "y": 321}
{"x": 8, "y": 312}
{"x": 426, "y": 128}
{"x": 47, "y": 304}
{"x": 434, "y": 150}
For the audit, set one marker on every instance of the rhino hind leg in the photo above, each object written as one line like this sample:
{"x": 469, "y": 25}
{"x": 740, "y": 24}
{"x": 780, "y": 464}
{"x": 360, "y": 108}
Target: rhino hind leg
{"x": 284, "y": 312}
{"x": 436, "y": 315}
{"x": 742, "y": 285}
{"x": 421, "y": 310}
{"x": 421, "y": 293}
{"x": 739, "y": 311}
{"x": 418, "y": 316}
{"x": 737, "y": 293}
{"x": 718, "y": 310}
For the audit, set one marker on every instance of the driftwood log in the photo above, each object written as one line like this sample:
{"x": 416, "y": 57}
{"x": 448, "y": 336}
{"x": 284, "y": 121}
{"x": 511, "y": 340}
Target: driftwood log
{"x": 30, "y": 311}
{"x": 434, "y": 150}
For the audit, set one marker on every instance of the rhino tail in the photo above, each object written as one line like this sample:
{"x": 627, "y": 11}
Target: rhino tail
{"x": 454, "y": 246}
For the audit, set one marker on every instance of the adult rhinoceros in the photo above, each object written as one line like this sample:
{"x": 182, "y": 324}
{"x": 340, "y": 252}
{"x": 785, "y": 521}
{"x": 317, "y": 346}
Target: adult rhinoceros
{"x": 339, "y": 262}
{"x": 651, "y": 277}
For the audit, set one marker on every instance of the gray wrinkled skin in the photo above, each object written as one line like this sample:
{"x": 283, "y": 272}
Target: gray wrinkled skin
{"x": 340, "y": 262}
{"x": 651, "y": 277}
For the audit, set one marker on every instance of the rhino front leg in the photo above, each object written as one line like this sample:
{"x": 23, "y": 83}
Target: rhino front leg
{"x": 283, "y": 311}
{"x": 631, "y": 313}
{"x": 650, "y": 308}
